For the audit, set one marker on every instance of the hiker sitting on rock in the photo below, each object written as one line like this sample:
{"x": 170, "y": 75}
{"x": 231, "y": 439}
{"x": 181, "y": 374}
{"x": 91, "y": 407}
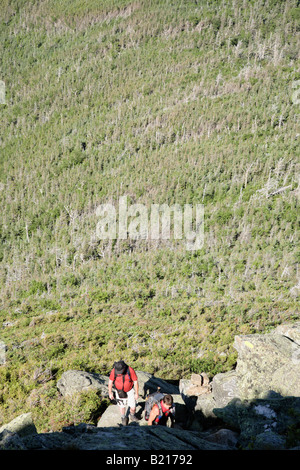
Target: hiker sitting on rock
{"x": 161, "y": 411}
{"x": 125, "y": 381}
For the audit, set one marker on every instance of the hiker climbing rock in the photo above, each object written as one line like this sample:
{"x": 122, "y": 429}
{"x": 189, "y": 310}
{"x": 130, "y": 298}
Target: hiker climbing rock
{"x": 158, "y": 408}
{"x": 125, "y": 382}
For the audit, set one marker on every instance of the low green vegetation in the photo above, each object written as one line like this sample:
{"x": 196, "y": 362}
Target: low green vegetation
{"x": 166, "y": 102}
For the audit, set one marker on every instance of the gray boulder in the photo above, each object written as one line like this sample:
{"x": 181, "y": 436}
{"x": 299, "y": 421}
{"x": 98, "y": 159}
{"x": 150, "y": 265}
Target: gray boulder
{"x": 204, "y": 408}
{"x": 21, "y": 425}
{"x": 225, "y": 388}
{"x": 112, "y": 417}
{"x": 269, "y": 362}
{"x": 76, "y": 381}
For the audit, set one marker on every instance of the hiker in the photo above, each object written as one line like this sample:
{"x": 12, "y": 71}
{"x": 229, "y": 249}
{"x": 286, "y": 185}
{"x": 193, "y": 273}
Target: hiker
{"x": 161, "y": 411}
{"x": 125, "y": 382}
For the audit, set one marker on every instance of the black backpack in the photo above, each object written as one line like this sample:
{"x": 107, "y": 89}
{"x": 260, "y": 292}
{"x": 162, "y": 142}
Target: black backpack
{"x": 153, "y": 399}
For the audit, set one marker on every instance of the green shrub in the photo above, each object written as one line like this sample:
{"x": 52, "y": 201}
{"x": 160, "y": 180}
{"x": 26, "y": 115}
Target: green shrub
{"x": 37, "y": 287}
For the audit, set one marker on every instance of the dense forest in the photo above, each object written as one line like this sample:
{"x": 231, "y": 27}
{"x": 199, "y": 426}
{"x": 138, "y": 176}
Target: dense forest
{"x": 165, "y": 102}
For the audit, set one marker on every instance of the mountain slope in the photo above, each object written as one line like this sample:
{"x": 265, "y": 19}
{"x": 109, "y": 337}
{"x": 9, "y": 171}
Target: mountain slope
{"x": 163, "y": 102}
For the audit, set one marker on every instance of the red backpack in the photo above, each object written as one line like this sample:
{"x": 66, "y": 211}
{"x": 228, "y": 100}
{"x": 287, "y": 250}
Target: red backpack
{"x": 121, "y": 369}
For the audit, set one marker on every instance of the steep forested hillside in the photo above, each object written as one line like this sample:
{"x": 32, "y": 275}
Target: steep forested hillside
{"x": 165, "y": 102}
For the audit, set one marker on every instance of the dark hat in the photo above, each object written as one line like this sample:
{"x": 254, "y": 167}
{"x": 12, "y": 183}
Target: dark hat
{"x": 120, "y": 366}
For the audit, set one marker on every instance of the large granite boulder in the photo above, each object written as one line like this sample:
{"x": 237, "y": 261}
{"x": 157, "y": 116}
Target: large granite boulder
{"x": 260, "y": 399}
{"x": 225, "y": 388}
{"x": 22, "y": 425}
{"x": 269, "y": 363}
{"x": 76, "y": 381}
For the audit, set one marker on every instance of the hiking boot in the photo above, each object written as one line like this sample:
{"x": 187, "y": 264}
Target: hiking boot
{"x": 124, "y": 421}
{"x": 133, "y": 418}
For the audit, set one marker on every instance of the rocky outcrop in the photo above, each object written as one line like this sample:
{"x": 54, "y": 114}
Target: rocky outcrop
{"x": 117, "y": 438}
{"x": 76, "y": 381}
{"x": 270, "y": 424}
{"x": 269, "y": 363}
{"x": 255, "y": 406}
{"x": 260, "y": 399}
{"x": 131, "y": 437}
